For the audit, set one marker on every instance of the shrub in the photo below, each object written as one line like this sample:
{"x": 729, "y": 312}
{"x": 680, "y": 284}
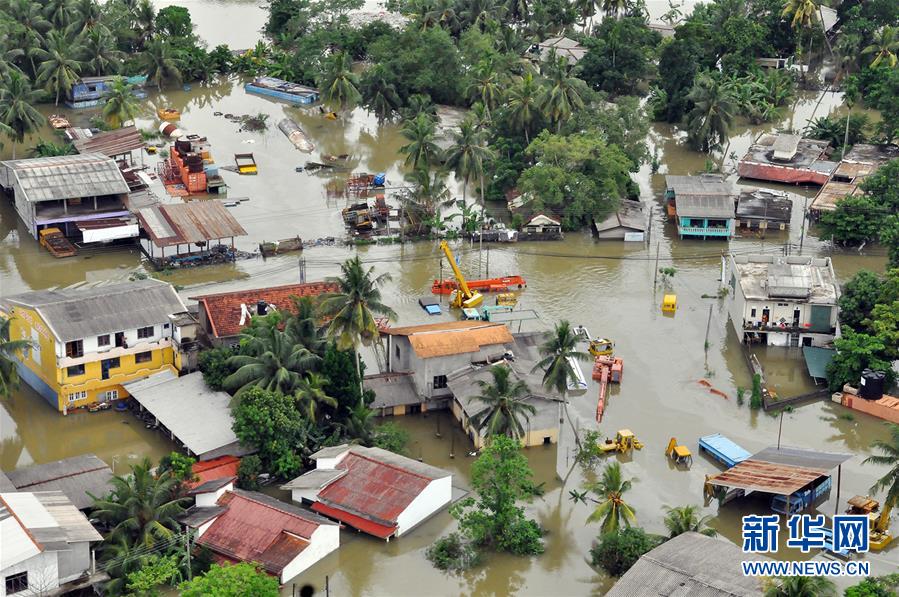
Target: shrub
{"x": 452, "y": 553}
{"x": 248, "y": 472}
{"x": 616, "y": 552}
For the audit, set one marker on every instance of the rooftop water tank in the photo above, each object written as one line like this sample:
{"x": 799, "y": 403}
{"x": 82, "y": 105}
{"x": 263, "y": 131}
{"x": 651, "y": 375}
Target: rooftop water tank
{"x": 872, "y": 384}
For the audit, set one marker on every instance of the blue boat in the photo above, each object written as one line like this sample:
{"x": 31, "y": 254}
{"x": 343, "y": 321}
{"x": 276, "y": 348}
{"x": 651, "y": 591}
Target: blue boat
{"x": 282, "y": 90}
{"x": 803, "y": 498}
{"x": 723, "y": 449}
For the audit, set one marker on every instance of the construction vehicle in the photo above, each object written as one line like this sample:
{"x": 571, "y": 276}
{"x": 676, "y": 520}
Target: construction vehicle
{"x": 880, "y": 536}
{"x": 679, "y": 454}
{"x": 463, "y": 297}
{"x": 624, "y": 441}
{"x": 504, "y": 284}
{"x": 596, "y": 346}
{"x": 246, "y": 163}
{"x": 56, "y": 243}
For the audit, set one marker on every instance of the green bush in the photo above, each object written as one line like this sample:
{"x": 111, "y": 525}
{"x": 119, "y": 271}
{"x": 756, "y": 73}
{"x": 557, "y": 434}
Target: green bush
{"x": 616, "y": 552}
{"x": 213, "y": 364}
{"x": 248, "y": 472}
{"x": 452, "y": 553}
{"x": 391, "y": 436}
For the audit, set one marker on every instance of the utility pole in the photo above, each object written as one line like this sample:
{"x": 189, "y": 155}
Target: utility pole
{"x": 804, "y": 216}
{"x": 649, "y": 227}
{"x": 656, "y": 274}
{"x": 187, "y": 550}
{"x": 302, "y": 270}
{"x": 780, "y": 428}
{"x": 487, "y": 273}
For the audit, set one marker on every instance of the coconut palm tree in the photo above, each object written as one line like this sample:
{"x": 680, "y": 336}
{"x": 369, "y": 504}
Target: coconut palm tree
{"x": 558, "y": 352}
{"x": 485, "y": 86}
{"x": 142, "y": 507}
{"x": 59, "y": 68}
{"x": 310, "y": 395}
{"x": 611, "y": 508}
{"x": 803, "y": 15}
{"x": 339, "y": 84}
{"x": 303, "y": 325}
{"x": 686, "y": 519}
{"x": 59, "y": 12}
{"x": 17, "y": 111}
{"x": 522, "y": 105}
{"x": 885, "y": 46}
{"x": 89, "y": 16}
{"x": 29, "y": 35}
{"x": 505, "y": 411}
{"x": 800, "y": 586}
{"x": 99, "y": 53}
{"x": 712, "y": 116}
{"x": 889, "y": 457}
{"x": 273, "y": 360}
{"x": 351, "y": 310}
{"x": 159, "y": 62}
{"x": 379, "y": 94}
{"x": 10, "y": 351}
{"x": 145, "y": 21}
{"x": 615, "y": 7}
{"x": 121, "y": 105}
{"x": 468, "y": 155}
{"x": 562, "y": 95}
{"x": 421, "y": 151}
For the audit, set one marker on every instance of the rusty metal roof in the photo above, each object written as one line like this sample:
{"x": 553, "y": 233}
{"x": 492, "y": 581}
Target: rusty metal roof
{"x": 455, "y": 337}
{"x": 192, "y": 222}
{"x": 112, "y": 143}
{"x": 781, "y": 471}
{"x": 67, "y": 176}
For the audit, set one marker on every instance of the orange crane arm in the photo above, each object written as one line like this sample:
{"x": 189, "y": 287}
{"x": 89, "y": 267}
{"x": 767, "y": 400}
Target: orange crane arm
{"x": 463, "y": 285}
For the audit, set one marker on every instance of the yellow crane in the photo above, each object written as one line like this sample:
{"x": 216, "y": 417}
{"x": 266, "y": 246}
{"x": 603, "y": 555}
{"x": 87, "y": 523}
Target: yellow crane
{"x": 463, "y": 297}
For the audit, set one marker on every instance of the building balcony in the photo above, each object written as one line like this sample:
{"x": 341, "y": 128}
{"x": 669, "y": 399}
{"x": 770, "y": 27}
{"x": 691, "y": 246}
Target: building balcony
{"x": 113, "y": 352}
{"x": 702, "y": 231}
{"x": 790, "y": 328}
{"x": 118, "y": 378}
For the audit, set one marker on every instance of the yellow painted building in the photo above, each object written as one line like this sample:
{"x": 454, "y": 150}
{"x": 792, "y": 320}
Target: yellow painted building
{"x": 87, "y": 342}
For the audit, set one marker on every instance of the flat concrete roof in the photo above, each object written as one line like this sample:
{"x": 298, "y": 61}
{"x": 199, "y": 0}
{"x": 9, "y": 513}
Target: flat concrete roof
{"x": 769, "y": 277}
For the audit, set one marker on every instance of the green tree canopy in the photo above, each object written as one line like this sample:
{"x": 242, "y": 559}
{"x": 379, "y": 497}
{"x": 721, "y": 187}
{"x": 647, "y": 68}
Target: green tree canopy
{"x": 616, "y": 551}
{"x": 231, "y": 580}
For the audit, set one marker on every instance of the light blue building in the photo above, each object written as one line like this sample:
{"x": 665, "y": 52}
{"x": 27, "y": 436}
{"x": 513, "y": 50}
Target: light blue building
{"x": 702, "y": 206}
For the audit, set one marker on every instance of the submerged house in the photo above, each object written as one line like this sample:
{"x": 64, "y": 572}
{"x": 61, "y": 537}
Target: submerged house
{"x": 788, "y": 159}
{"x": 627, "y": 223}
{"x": 247, "y": 526}
{"x": 541, "y": 227}
{"x": 563, "y": 47}
{"x": 763, "y": 209}
{"x": 702, "y": 206}
{"x": 89, "y": 342}
{"x": 82, "y": 195}
{"x": 372, "y": 490}
{"x": 783, "y": 301}
{"x": 76, "y": 477}
{"x": 47, "y": 545}
{"x": 860, "y": 162}
{"x": 88, "y": 92}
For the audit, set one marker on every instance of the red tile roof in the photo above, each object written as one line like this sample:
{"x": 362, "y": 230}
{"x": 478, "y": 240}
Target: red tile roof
{"x": 357, "y": 522}
{"x": 223, "y": 310}
{"x": 208, "y": 470}
{"x": 373, "y": 490}
{"x": 254, "y": 528}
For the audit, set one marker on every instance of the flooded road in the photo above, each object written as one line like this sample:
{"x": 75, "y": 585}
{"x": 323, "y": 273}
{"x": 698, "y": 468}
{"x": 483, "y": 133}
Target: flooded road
{"x": 606, "y": 286}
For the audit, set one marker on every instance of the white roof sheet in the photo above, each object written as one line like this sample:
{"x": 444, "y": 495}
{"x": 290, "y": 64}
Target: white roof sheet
{"x": 199, "y": 417}
{"x": 29, "y": 510}
{"x": 15, "y": 544}
{"x": 70, "y": 176}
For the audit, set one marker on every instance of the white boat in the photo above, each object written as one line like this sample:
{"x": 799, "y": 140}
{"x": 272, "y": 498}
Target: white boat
{"x": 296, "y": 135}
{"x": 578, "y": 385}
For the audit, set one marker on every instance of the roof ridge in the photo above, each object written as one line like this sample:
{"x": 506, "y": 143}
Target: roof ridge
{"x": 245, "y": 495}
{"x": 66, "y": 476}
{"x": 381, "y": 462}
{"x": 218, "y": 294}
{"x": 28, "y": 532}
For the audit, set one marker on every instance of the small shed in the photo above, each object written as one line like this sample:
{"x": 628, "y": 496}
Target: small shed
{"x": 195, "y": 223}
{"x": 542, "y": 225}
{"x": 118, "y": 143}
{"x": 627, "y": 223}
{"x": 763, "y": 208}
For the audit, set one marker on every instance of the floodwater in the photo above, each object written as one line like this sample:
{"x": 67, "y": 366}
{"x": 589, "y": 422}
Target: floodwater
{"x": 607, "y": 287}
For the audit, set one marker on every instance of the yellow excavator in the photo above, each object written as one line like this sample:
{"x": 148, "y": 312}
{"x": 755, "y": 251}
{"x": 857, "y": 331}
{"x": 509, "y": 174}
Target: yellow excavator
{"x": 464, "y": 297}
{"x": 879, "y": 532}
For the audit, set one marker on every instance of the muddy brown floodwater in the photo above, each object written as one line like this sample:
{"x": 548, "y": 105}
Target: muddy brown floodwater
{"x": 607, "y": 287}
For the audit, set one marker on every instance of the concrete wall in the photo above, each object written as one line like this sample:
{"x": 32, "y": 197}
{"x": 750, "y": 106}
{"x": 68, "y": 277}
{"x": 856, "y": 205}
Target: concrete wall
{"x": 24, "y": 208}
{"x": 324, "y": 540}
{"x": 424, "y": 370}
{"x": 437, "y": 494}
{"x": 299, "y": 495}
{"x": 331, "y": 463}
{"x": 543, "y": 424}
{"x": 43, "y": 574}
{"x": 75, "y": 562}
{"x": 209, "y": 499}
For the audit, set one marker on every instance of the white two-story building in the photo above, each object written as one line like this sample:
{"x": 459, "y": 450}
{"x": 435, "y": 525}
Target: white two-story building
{"x": 783, "y": 301}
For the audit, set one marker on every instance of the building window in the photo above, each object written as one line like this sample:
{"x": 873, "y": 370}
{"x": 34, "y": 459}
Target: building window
{"x": 76, "y": 396}
{"x": 146, "y": 332}
{"x": 103, "y": 340}
{"x": 165, "y": 326}
{"x": 17, "y": 582}
{"x": 439, "y": 382}
{"x": 111, "y": 395}
{"x": 75, "y": 370}
{"x": 143, "y": 357}
{"x": 106, "y": 365}
{"x": 397, "y": 351}
{"x": 75, "y": 349}
{"x": 752, "y": 313}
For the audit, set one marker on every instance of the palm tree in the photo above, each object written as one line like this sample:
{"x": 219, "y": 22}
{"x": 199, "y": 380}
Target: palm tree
{"x": 17, "y": 111}
{"x": 311, "y": 394}
{"x": 159, "y": 62}
{"x": 274, "y": 360}
{"x": 59, "y": 69}
{"x": 522, "y": 104}
{"x": 46, "y": 149}
{"x": 890, "y": 458}
{"x": 145, "y": 21}
{"x": 59, "y": 13}
{"x": 32, "y": 25}
{"x": 504, "y": 405}
{"x": 339, "y": 84}
{"x": 99, "y": 52}
{"x": 563, "y": 93}
{"x": 558, "y": 352}
{"x": 800, "y": 586}
{"x": 303, "y": 327}
{"x": 712, "y": 116}
{"x": 351, "y": 310}
{"x": 121, "y": 105}
{"x": 141, "y": 508}
{"x": 9, "y": 353}
{"x": 469, "y": 154}
{"x": 485, "y": 86}
{"x": 885, "y": 46}
{"x": 379, "y": 94}
{"x": 611, "y": 508}
{"x": 685, "y": 519}
{"x": 804, "y": 13}
{"x": 421, "y": 151}
{"x": 615, "y": 7}
{"x": 359, "y": 424}
{"x": 89, "y": 16}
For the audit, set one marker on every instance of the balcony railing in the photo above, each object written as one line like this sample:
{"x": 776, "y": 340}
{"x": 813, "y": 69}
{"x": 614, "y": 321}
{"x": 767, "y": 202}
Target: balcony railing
{"x": 701, "y": 231}
{"x": 113, "y": 352}
{"x": 757, "y": 326}
{"x": 120, "y": 378}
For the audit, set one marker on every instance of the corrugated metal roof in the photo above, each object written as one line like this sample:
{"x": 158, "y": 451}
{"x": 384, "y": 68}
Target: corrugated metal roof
{"x": 16, "y": 545}
{"x": 191, "y": 222}
{"x": 314, "y": 479}
{"x": 690, "y": 565}
{"x": 466, "y": 388}
{"x": 194, "y": 517}
{"x": 77, "y": 313}
{"x": 817, "y": 359}
{"x": 252, "y": 529}
{"x": 74, "y": 524}
{"x": 224, "y": 312}
{"x": 781, "y": 471}
{"x": 433, "y": 327}
{"x": 704, "y": 184}
{"x": 456, "y": 337}
{"x": 217, "y": 468}
{"x": 111, "y": 143}
{"x": 69, "y": 176}
{"x": 628, "y": 216}
{"x": 704, "y": 206}
{"x": 382, "y": 531}
{"x": 5, "y": 483}
{"x": 807, "y": 458}
{"x": 180, "y": 403}
{"x": 211, "y": 485}
{"x": 50, "y": 517}
{"x": 75, "y": 477}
